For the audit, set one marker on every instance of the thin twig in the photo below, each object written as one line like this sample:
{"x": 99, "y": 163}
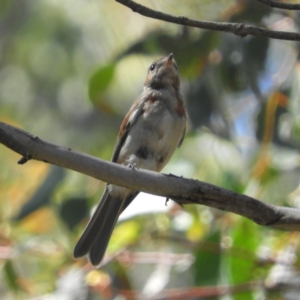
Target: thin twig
{"x": 282, "y": 5}
{"x": 239, "y": 29}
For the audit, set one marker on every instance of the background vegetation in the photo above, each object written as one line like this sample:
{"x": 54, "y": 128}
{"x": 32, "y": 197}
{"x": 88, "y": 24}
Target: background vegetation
{"x": 69, "y": 70}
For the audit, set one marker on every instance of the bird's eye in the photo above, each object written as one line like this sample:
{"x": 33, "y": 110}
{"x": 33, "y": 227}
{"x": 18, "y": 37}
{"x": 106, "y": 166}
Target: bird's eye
{"x": 152, "y": 67}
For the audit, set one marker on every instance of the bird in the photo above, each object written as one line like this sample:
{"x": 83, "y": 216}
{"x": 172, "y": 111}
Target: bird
{"x": 149, "y": 134}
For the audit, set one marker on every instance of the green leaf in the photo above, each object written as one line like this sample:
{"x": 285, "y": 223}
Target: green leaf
{"x": 207, "y": 263}
{"x": 11, "y": 276}
{"x": 100, "y": 81}
{"x": 242, "y": 261}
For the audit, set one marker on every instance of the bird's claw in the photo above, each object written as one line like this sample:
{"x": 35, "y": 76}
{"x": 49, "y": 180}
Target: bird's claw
{"x": 132, "y": 166}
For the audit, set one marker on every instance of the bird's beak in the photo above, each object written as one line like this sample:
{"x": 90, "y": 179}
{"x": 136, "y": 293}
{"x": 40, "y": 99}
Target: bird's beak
{"x": 170, "y": 59}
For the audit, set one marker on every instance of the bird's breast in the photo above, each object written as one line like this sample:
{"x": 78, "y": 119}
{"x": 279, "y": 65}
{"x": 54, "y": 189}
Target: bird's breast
{"x": 153, "y": 138}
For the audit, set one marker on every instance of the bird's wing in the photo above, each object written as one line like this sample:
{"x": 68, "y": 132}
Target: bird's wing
{"x": 134, "y": 113}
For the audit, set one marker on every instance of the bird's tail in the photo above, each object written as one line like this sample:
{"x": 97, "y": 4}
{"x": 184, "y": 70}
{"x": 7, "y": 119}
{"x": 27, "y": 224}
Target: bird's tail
{"x": 95, "y": 237}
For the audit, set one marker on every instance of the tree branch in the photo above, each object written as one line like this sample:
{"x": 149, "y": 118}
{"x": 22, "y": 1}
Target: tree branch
{"x": 181, "y": 190}
{"x": 239, "y": 29}
{"x": 276, "y": 4}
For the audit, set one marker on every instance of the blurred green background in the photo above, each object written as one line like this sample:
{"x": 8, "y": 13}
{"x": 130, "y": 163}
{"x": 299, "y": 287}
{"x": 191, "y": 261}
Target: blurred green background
{"x": 69, "y": 71}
